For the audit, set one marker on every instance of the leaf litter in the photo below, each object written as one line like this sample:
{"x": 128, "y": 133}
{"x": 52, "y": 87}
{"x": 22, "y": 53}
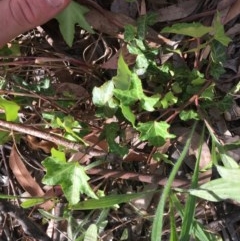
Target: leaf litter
{"x": 108, "y": 163}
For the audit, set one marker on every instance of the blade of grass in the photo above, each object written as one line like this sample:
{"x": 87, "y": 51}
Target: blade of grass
{"x": 191, "y": 200}
{"x": 108, "y": 201}
{"x": 173, "y": 230}
{"x": 158, "y": 220}
{"x": 197, "y": 228}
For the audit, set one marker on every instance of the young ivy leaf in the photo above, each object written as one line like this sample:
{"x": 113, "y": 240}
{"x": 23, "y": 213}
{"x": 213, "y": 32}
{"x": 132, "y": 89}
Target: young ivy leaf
{"x": 70, "y": 175}
{"x": 188, "y": 115}
{"x": 154, "y": 132}
{"x": 148, "y": 103}
{"x": 168, "y": 100}
{"x": 110, "y": 132}
{"x": 72, "y": 128}
{"x": 11, "y": 109}
{"x": 219, "y": 33}
{"x": 103, "y": 94}
{"x": 131, "y": 95}
{"x": 128, "y": 114}
{"x": 122, "y": 79}
{"x": 73, "y": 14}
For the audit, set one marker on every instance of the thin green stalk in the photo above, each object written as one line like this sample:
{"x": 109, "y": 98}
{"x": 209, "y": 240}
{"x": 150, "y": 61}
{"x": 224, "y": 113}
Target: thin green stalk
{"x": 191, "y": 200}
{"x": 158, "y": 220}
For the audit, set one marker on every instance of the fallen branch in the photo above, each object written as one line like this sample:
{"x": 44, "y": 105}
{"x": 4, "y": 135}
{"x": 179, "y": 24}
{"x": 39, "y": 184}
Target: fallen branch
{"x": 58, "y": 140}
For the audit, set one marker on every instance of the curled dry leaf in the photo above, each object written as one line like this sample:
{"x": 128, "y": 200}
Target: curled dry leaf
{"x": 25, "y": 179}
{"x": 36, "y": 144}
{"x": 182, "y": 134}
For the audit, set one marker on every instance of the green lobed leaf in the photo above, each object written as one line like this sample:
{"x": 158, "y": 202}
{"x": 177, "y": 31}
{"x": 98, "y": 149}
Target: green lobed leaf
{"x": 71, "y": 127}
{"x": 132, "y": 94}
{"x": 208, "y": 93}
{"x": 5, "y": 136}
{"x": 143, "y": 22}
{"x": 128, "y": 114}
{"x": 103, "y": 94}
{"x": 70, "y": 175}
{"x": 129, "y": 32}
{"x": 73, "y": 14}
{"x": 219, "y": 33}
{"x": 148, "y": 103}
{"x": 111, "y": 132}
{"x": 195, "y": 30}
{"x": 141, "y": 65}
{"x": 188, "y": 115}
{"x": 168, "y": 100}
{"x": 154, "y": 132}
{"x": 122, "y": 79}
{"x": 11, "y": 109}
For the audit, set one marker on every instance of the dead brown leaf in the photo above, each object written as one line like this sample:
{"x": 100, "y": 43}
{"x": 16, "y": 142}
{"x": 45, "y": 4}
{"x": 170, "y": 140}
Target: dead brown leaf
{"x": 112, "y": 63}
{"x": 25, "y": 179}
{"x": 177, "y": 11}
{"x": 36, "y": 144}
{"x": 233, "y": 11}
{"x": 182, "y": 134}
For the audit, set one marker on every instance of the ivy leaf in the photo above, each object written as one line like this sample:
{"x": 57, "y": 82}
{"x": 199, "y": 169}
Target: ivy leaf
{"x": 111, "y": 132}
{"x": 208, "y": 93}
{"x": 131, "y": 95}
{"x": 126, "y": 97}
{"x": 70, "y": 175}
{"x": 128, "y": 114}
{"x": 129, "y": 32}
{"x": 188, "y": 115}
{"x": 11, "y": 109}
{"x": 122, "y": 79}
{"x": 195, "y": 30}
{"x": 103, "y": 94}
{"x": 143, "y": 22}
{"x": 154, "y": 132}
{"x": 218, "y": 57}
{"x": 148, "y": 103}
{"x": 71, "y": 127}
{"x": 219, "y": 33}
{"x": 73, "y": 14}
{"x": 168, "y": 100}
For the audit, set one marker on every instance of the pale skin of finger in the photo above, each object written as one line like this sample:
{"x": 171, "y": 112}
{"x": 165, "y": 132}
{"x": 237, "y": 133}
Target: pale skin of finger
{"x": 19, "y": 16}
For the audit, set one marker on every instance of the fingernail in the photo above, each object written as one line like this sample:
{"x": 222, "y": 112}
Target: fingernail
{"x": 55, "y": 3}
